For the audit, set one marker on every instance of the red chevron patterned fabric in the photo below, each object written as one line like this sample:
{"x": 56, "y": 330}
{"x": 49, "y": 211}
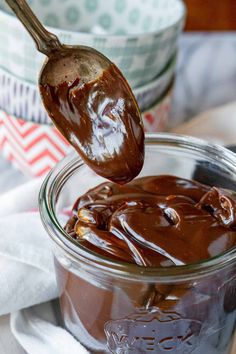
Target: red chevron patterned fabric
{"x": 33, "y": 148}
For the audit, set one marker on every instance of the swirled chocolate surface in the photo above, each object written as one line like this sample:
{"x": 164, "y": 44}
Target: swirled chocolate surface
{"x": 155, "y": 221}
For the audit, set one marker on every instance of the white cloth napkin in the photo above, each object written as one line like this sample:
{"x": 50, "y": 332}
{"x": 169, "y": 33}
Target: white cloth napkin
{"x": 27, "y": 273}
{"x": 40, "y": 336}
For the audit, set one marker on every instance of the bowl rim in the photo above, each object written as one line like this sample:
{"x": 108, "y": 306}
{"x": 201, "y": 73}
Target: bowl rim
{"x": 25, "y": 82}
{"x": 180, "y": 21}
{"x": 137, "y": 90}
{"x": 159, "y": 78}
{"x": 167, "y": 93}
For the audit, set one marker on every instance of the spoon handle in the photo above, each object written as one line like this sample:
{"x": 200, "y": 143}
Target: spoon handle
{"x": 45, "y": 41}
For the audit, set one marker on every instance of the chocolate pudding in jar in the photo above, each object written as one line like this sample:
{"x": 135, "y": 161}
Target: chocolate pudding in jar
{"x": 148, "y": 266}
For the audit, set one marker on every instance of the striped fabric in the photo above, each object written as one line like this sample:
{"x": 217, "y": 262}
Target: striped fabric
{"x": 33, "y": 148}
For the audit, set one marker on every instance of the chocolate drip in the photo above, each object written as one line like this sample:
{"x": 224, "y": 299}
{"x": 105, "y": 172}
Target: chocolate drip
{"x": 102, "y": 121}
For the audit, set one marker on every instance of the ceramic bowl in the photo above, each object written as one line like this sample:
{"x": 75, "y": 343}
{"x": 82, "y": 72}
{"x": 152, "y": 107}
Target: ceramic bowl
{"x": 139, "y": 36}
{"x": 147, "y": 95}
{"x": 35, "y": 148}
{"x": 157, "y": 117}
{"x": 22, "y": 99}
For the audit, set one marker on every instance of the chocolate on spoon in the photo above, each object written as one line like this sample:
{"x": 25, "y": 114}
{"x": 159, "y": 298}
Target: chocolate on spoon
{"x": 89, "y": 101}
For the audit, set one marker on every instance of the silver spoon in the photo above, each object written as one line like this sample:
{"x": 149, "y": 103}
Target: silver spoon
{"x": 89, "y": 101}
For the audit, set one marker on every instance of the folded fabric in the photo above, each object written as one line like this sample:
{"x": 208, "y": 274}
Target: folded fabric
{"x": 27, "y": 277}
{"x": 21, "y": 198}
{"x": 40, "y": 336}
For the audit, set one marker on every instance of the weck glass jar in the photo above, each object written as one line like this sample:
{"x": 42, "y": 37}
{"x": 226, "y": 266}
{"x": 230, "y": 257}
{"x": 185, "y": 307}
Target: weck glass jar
{"x": 107, "y": 305}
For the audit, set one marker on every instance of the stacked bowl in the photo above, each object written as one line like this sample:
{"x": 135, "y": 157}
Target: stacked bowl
{"x": 139, "y": 36}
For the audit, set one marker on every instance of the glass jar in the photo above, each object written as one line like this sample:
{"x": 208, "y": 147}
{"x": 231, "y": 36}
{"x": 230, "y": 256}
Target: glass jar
{"x": 109, "y": 306}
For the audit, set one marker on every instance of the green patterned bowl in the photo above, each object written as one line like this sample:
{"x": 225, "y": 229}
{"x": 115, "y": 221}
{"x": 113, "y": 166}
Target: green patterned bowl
{"x": 140, "y": 36}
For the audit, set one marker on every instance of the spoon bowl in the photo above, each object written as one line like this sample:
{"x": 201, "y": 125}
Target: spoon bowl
{"x": 72, "y": 62}
{"x": 89, "y": 101}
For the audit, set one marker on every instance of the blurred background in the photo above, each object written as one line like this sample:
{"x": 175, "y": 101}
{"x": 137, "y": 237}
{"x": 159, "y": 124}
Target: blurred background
{"x": 175, "y": 74}
{"x": 178, "y": 56}
{"x": 211, "y": 15}
{"x": 206, "y": 74}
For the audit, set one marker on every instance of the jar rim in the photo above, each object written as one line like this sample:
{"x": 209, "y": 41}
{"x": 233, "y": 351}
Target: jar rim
{"x": 62, "y": 172}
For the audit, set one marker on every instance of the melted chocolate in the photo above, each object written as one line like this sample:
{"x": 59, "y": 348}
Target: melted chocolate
{"x": 102, "y": 121}
{"x": 155, "y": 221}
